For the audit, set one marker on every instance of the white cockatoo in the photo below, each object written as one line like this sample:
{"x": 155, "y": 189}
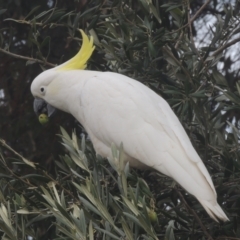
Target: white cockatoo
{"x": 116, "y": 109}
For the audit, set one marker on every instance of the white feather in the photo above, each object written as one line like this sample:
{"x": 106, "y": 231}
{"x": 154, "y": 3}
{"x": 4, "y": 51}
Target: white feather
{"x": 114, "y": 108}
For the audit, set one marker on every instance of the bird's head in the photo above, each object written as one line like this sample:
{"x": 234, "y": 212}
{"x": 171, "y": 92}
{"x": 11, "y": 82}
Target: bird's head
{"x": 48, "y": 84}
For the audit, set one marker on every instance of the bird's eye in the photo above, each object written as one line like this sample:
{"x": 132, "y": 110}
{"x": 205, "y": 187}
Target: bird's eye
{"x": 42, "y": 89}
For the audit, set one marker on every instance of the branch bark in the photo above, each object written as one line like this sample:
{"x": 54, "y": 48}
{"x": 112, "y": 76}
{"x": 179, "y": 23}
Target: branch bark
{"x": 195, "y": 216}
{"x": 226, "y": 46}
{"x": 194, "y": 17}
{"x": 27, "y": 58}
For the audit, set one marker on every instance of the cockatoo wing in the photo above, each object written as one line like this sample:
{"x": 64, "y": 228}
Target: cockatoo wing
{"x": 119, "y": 109}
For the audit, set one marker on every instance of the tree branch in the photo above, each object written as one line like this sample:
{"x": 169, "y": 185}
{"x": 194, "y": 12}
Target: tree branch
{"x": 226, "y": 46}
{"x": 194, "y": 17}
{"x": 196, "y": 216}
{"x": 27, "y": 58}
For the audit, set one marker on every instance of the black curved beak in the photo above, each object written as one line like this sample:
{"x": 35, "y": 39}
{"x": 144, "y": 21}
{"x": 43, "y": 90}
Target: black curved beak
{"x": 40, "y": 106}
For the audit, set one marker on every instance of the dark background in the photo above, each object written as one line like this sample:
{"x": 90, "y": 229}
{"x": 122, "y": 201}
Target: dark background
{"x": 140, "y": 41}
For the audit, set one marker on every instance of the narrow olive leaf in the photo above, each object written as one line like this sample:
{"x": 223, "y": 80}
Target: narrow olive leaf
{"x": 90, "y": 231}
{"x": 38, "y": 218}
{"x": 8, "y": 231}
{"x": 29, "y": 163}
{"x": 147, "y": 237}
{"x": 238, "y": 87}
{"x": 151, "y": 48}
{"x": 199, "y": 94}
{"x": 90, "y": 206}
{"x": 92, "y": 25}
{"x": 169, "y": 235}
{"x": 52, "y": 184}
{"x": 30, "y": 62}
{"x": 43, "y": 14}
{"x": 121, "y": 158}
{"x": 26, "y": 211}
{"x": 124, "y": 184}
{"x": 133, "y": 218}
{"x": 229, "y": 14}
{"x": 234, "y": 98}
{"x": 76, "y": 174}
{"x": 89, "y": 10}
{"x": 5, "y": 176}
{"x": 79, "y": 161}
{"x": 131, "y": 206}
{"x": 66, "y": 141}
{"x": 108, "y": 233}
{"x": 235, "y": 131}
{"x": 79, "y": 226}
{"x": 2, "y": 11}
{"x": 5, "y": 217}
{"x": 45, "y": 41}
{"x": 32, "y": 11}
{"x": 219, "y": 78}
{"x": 99, "y": 205}
{"x": 83, "y": 144}
{"x": 62, "y": 211}
{"x": 171, "y": 60}
{"x": 177, "y": 15}
{"x": 126, "y": 229}
{"x": 145, "y": 4}
{"x": 220, "y": 138}
{"x": 56, "y": 14}
{"x": 76, "y": 211}
{"x": 65, "y": 134}
{"x": 63, "y": 203}
{"x": 132, "y": 194}
{"x": 48, "y": 197}
{"x": 113, "y": 163}
{"x": 69, "y": 147}
{"x": 155, "y": 12}
{"x": 147, "y": 228}
{"x": 70, "y": 234}
{"x": 76, "y": 22}
{"x": 145, "y": 212}
{"x": 83, "y": 223}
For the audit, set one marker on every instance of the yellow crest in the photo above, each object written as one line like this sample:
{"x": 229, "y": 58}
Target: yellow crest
{"x": 79, "y": 61}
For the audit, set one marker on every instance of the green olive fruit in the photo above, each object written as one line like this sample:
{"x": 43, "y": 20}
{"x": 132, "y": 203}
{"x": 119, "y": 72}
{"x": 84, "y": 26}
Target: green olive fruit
{"x": 43, "y": 118}
{"x": 152, "y": 215}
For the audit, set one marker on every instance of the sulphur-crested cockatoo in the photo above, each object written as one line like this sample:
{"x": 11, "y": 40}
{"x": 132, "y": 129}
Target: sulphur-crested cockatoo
{"x": 114, "y": 108}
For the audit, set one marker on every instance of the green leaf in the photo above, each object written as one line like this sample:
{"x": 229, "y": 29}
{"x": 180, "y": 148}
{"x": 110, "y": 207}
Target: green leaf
{"x": 219, "y": 78}
{"x": 2, "y": 11}
{"x": 169, "y": 235}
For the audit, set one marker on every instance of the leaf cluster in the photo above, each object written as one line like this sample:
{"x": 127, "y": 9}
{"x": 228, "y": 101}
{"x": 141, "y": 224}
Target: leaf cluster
{"x": 156, "y": 43}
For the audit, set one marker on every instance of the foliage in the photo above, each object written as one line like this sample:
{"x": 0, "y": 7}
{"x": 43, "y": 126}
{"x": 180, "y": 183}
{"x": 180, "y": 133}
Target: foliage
{"x": 86, "y": 200}
{"x": 77, "y": 195}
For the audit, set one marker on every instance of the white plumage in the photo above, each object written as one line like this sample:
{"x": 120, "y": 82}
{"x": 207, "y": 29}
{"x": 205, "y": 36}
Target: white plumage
{"x": 114, "y": 108}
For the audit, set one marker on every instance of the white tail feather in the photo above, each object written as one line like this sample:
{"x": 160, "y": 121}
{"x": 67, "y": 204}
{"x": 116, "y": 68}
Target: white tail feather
{"x": 214, "y": 211}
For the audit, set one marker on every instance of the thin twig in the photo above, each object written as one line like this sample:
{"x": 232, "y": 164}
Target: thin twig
{"x": 194, "y": 17}
{"x": 52, "y": 11}
{"x": 27, "y": 58}
{"x": 57, "y": 183}
{"x": 199, "y": 10}
{"x": 38, "y": 23}
{"x": 179, "y": 40}
{"x": 228, "y": 238}
{"x": 226, "y": 46}
{"x": 28, "y": 162}
{"x": 15, "y": 175}
{"x": 196, "y": 216}
{"x": 190, "y": 25}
